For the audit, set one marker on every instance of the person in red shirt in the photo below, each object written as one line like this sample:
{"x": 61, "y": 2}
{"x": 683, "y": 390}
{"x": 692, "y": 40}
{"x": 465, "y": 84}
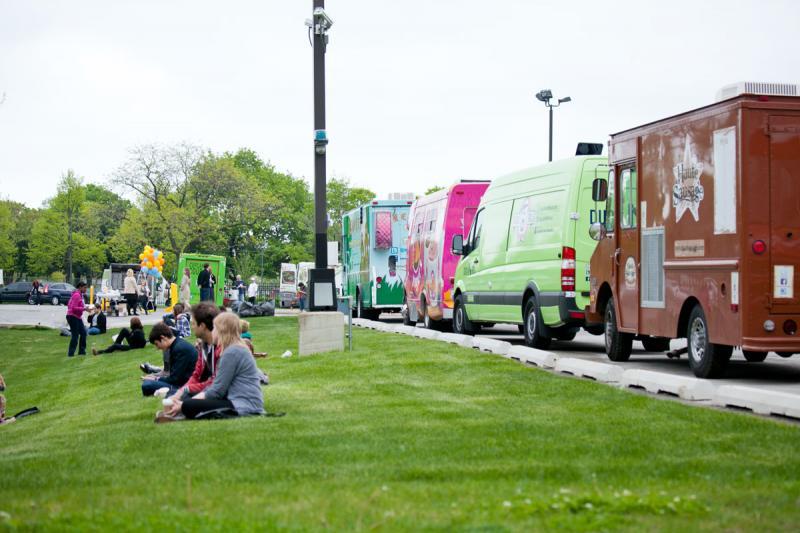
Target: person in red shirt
{"x": 75, "y": 309}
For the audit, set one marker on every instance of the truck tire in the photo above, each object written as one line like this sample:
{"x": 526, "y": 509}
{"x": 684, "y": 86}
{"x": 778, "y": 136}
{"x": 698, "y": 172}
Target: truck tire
{"x": 754, "y": 357}
{"x": 706, "y": 360}
{"x": 785, "y": 354}
{"x": 655, "y": 344}
{"x": 618, "y": 344}
{"x": 461, "y": 322}
{"x": 435, "y": 325}
{"x": 565, "y": 334}
{"x": 406, "y": 313}
{"x": 534, "y": 327}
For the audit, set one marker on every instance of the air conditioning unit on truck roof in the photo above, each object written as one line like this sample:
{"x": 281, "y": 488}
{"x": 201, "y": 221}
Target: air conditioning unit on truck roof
{"x": 756, "y": 87}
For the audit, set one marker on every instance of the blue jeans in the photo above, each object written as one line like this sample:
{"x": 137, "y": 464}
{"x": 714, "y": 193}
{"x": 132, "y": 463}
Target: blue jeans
{"x": 93, "y": 331}
{"x": 150, "y": 386}
{"x": 78, "y": 330}
{"x": 302, "y": 303}
{"x": 205, "y": 294}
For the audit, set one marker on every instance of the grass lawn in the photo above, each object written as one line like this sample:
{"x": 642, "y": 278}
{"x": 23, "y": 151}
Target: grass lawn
{"x": 400, "y": 434}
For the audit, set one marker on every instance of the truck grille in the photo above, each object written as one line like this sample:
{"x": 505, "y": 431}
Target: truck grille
{"x": 652, "y": 285}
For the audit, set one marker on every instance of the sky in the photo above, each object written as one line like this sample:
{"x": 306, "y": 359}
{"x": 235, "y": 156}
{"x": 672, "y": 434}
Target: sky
{"x": 419, "y": 92}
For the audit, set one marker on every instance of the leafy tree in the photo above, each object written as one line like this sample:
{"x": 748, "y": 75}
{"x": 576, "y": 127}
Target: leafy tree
{"x": 6, "y": 242}
{"x": 48, "y": 244}
{"x": 431, "y": 190}
{"x": 23, "y": 219}
{"x": 69, "y": 203}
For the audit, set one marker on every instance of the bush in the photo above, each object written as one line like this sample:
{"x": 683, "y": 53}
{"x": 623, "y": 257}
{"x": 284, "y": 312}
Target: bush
{"x": 58, "y": 277}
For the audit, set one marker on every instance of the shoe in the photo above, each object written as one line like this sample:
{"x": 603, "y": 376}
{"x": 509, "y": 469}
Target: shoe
{"x": 94, "y": 351}
{"x": 162, "y": 418}
{"x": 161, "y": 393}
{"x": 147, "y": 368}
{"x": 81, "y": 353}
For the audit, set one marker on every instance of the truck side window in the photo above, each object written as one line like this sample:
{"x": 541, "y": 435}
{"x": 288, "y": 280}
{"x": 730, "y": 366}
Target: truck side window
{"x": 629, "y": 198}
{"x": 475, "y": 233}
{"x": 610, "y": 207}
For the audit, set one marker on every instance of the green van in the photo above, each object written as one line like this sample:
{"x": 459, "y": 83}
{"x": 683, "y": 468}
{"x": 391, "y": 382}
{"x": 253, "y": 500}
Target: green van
{"x": 526, "y": 258}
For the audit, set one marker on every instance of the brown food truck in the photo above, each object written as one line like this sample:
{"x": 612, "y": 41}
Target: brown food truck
{"x": 701, "y": 237}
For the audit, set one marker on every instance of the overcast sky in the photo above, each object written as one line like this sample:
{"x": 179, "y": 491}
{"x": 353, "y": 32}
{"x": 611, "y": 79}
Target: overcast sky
{"x": 420, "y": 92}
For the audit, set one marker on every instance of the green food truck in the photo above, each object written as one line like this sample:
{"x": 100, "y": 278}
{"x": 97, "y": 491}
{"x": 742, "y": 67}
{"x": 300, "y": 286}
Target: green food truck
{"x": 195, "y": 262}
{"x": 526, "y": 258}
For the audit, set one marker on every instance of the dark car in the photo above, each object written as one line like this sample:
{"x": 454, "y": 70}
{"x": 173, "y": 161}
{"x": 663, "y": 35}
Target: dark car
{"x": 20, "y": 291}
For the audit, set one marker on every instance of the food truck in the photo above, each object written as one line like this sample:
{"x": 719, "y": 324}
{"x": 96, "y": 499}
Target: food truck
{"x": 701, "y": 238}
{"x": 431, "y": 264}
{"x": 374, "y": 256}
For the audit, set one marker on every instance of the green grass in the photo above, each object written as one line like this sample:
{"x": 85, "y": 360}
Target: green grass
{"x": 400, "y": 434}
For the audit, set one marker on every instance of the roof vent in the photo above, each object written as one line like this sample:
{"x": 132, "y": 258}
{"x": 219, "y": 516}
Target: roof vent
{"x": 755, "y": 87}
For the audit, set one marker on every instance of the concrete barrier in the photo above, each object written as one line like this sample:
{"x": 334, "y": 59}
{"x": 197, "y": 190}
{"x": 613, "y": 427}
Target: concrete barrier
{"x": 533, "y": 356}
{"x": 603, "y": 372}
{"x": 759, "y": 401}
{"x": 424, "y": 333}
{"x": 688, "y": 388}
{"x": 461, "y": 340}
{"x": 486, "y": 344}
{"x": 405, "y": 330}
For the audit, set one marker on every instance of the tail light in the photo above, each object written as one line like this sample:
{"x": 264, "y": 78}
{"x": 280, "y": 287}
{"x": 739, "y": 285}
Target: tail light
{"x": 568, "y": 269}
{"x": 790, "y": 327}
{"x": 759, "y": 247}
{"x": 378, "y": 279}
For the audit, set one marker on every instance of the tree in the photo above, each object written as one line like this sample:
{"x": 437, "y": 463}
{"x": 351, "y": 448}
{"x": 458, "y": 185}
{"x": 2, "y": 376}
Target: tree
{"x": 6, "y": 242}
{"x": 69, "y": 204}
{"x": 342, "y": 197}
{"x": 431, "y": 190}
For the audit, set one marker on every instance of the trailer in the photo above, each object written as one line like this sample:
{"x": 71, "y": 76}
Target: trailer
{"x": 701, "y": 237}
{"x": 195, "y": 263}
{"x": 374, "y": 256}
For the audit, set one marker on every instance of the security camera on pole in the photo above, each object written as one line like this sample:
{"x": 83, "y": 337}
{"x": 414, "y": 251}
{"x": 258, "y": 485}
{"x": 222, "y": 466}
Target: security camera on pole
{"x": 545, "y": 95}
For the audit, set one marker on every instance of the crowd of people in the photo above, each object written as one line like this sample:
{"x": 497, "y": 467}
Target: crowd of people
{"x": 216, "y": 377}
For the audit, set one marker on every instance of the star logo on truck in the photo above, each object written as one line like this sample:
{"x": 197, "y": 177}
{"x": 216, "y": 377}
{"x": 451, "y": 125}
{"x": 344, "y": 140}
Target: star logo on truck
{"x": 687, "y": 193}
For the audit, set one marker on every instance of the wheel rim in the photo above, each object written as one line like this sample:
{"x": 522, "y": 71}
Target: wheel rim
{"x": 609, "y": 328}
{"x": 55, "y": 300}
{"x": 459, "y": 318}
{"x": 530, "y": 322}
{"x": 698, "y": 340}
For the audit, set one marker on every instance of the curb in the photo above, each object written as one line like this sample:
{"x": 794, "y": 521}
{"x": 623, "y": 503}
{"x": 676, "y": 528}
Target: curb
{"x": 657, "y": 382}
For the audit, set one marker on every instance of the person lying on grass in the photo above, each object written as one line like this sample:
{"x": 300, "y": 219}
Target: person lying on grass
{"x": 134, "y": 337}
{"x": 236, "y": 389}
{"x": 203, "y": 315}
{"x": 180, "y": 358}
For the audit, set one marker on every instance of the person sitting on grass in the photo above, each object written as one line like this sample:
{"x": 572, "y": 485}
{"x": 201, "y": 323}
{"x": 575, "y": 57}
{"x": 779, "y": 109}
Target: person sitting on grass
{"x": 180, "y": 358}
{"x": 236, "y": 390}
{"x": 247, "y": 338}
{"x": 203, "y": 315}
{"x": 134, "y": 337}
{"x": 96, "y": 320}
{"x": 182, "y": 327}
{"x": 3, "y": 419}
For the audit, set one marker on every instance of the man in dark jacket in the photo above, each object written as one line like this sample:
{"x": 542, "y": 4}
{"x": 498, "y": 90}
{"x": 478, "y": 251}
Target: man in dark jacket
{"x": 205, "y": 283}
{"x": 96, "y": 320}
{"x": 180, "y": 358}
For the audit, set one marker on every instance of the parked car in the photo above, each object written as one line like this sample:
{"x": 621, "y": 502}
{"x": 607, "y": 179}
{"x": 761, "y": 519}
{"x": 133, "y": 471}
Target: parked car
{"x": 20, "y": 291}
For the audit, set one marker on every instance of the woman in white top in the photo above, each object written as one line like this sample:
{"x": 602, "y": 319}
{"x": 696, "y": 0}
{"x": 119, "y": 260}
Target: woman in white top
{"x": 252, "y": 290}
{"x": 186, "y": 286}
{"x": 130, "y": 292}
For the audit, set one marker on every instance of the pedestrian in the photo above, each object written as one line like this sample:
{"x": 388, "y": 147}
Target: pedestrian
{"x": 252, "y": 290}
{"x": 75, "y": 309}
{"x": 36, "y": 292}
{"x": 240, "y": 288}
{"x": 204, "y": 281}
{"x": 186, "y": 287}
{"x": 130, "y": 292}
{"x": 301, "y": 295}
{"x": 144, "y": 294}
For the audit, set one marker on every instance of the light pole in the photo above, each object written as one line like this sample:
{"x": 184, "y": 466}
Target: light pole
{"x": 321, "y": 278}
{"x": 546, "y": 95}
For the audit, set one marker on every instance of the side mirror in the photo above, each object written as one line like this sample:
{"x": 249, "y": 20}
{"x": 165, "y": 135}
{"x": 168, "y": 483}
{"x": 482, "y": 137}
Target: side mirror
{"x": 599, "y": 190}
{"x": 457, "y": 247}
{"x": 597, "y": 231}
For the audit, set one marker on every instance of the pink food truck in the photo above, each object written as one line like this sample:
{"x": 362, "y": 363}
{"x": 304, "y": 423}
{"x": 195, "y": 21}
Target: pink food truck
{"x": 430, "y": 266}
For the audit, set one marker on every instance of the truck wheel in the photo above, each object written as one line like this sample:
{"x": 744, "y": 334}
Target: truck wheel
{"x": 754, "y": 357}
{"x": 618, "y": 344}
{"x": 406, "y": 312}
{"x": 706, "y": 360}
{"x": 785, "y": 354}
{"x": 534, "y": 334}
{"x": 655, "y": 344}
{"x": 565, "y": 334}
{"x": 461, "y": 322}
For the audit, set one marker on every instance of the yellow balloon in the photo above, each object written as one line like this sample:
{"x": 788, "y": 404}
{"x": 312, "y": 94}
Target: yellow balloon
{"x": 141, "y": 256}
{"x": 159, "y": 268}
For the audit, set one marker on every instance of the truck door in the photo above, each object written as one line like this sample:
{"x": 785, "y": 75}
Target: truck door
{"x": 626, "y": 257}
{"x": 784, "y": 244}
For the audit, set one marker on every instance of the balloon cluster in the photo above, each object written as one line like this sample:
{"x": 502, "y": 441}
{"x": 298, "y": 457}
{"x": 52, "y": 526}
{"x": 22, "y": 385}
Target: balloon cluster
{"x": 152, "y": 261}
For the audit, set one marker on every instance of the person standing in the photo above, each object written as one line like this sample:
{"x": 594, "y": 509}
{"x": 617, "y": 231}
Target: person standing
{"x": 35, "y": 292}
{"x": 186, "y": 287}
{"x": 204, "y": 282}
{"x": 144, "y": 295}
{"x": 130, "y": 292}
{"x": 240, "y": 288}
{"x": 252, "y": 290}
{"x": 301, "y": 295}
{"x": 75, "y": 309}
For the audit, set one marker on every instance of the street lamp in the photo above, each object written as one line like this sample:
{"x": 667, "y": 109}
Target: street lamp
{"x": 546, "y": 95}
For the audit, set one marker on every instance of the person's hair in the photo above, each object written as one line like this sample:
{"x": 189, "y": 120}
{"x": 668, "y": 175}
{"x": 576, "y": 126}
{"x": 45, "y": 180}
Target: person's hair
{"x": 80, "y": 284}
{"x": 227, "y": 330}
{"x": 187, "y": 271}
{"x": 129, "y": 272}
{"x": 245, "y": 325}
{"x": 205, "y": 265}
{"x": 177, "y": 309}
{"x": 205, "y": 313}
{"x": 160, "y": 330}
{"x": 136, "y": 323}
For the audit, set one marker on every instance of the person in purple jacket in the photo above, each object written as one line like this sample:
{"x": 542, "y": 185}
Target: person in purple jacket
{"x": 75, "y": 309}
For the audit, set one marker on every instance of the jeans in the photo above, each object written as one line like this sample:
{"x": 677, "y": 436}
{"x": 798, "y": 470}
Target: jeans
{"x": 205, "y": 294}
{"x": 78, "y": 331}
{"x": 93, "y": 331}
{"x": 302, "y": 303}
{"x": 192, "y": 408}
{"x": 150, "y": 386}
